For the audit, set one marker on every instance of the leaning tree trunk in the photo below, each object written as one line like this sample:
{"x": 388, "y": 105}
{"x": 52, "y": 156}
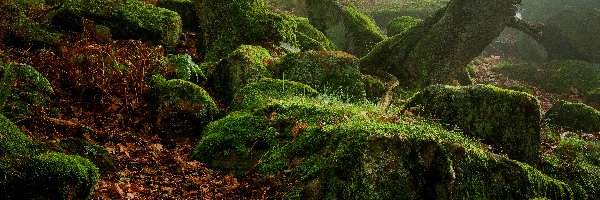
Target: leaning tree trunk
{"x": 439, "y": 49}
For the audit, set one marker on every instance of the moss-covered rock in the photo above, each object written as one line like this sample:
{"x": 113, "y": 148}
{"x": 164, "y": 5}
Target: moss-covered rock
{"x": 374, "y": 88}
{"x": 329, "y": 72}
{"x": 348, "y": 28}
{"x": 182, "y": 107}
{"x": 571, "y": 35}
{"x": 521, "y": 88}
{"x": 129, "y": 19}
{"x": 227, "y": 24}
{"x": 47, "y": 176}
{"x": 402, "y": 24}
{"x": 244, "y": 65}
{"x": 93, "y": 152}
{"x": 257, "y": 93}
{"x": 185, "y": 9}
{"x": 414, "y": 8}
{"x": 309, "y": 38}
{"x": 341, "y": 151}
{"x": 18, "y": 100}
{"x": 17, "y": 28}
{"x": 185, "y": 69}
{"x": 559, "y": 76}
{"x": 573, "y": 117}
{"x": 507, "y": 120}
{"x": 13, "y": 142}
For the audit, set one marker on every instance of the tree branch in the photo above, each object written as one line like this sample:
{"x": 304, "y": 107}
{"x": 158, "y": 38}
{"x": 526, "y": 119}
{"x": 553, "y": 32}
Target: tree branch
{"x": 532, "y": 29}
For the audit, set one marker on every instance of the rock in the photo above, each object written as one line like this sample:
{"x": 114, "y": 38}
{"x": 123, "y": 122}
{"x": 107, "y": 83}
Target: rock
{"x": 402, "y": 24}
{"x": 182, "y": 107}
{"x": 559, "y": 76}
{"x": 227, "y": 24}
{"x": 348, "y": 28}
{"x": 185, "y": 9}
{"x": 13, "y": 142}
{"x": 309, "y": 38}
{"x": 333, "y": 73}
{"x": 571, "y": 34}
{"x": 244, "y": 65}
{"x": 334, "y": 150}
{"x": 573, "y": 117}
{"x": 506, "y": 119}
{"x": 47, "y": 176}
{"x": 127, "y": 19}
{"x": 374, "y": 88}
{"x": 19, "y": 29}
{"x": 93, "y": 152}
{"x": 257, "y": 93}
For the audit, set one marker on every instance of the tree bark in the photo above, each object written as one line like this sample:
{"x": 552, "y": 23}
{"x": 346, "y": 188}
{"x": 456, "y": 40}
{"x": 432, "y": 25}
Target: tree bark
{"x": 436, "y": 51}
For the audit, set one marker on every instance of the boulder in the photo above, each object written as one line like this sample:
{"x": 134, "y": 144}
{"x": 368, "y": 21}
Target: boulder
{"x": 16, "y": 28}
{"x": 244, "y": 65}
{"x": 93, "y": 152}
{"x": 374, "y": 88}
{"x": 573, "y": 117}
{"x": 185, "y": 9}
{"x": 309, "y": 38}
{"x": 348, "y": 28}
{"x": 127, "y": 19}
{"x": 227, "y": 24}
{"x": 506, "y": 119}
{"x": 333, "y": 73}
{"x": 571, "y": 34}
{"x": 182, "y": 107}
{"x": 257, "y": 93}
{"x": 328, "y": 149}
{"x": 402, "y": 24}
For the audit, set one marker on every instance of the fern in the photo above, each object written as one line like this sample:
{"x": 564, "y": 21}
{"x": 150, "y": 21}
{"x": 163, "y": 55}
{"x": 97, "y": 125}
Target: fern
{"x": 33, "y": 93}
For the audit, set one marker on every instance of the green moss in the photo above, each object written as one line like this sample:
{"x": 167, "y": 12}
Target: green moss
{"x": 93, "y": 152}
{"x": 505, "y": 119}
{"x": 185, "y": 9}
{"x": 18, "y": 102}
{"x": 563, "y": 77}
{"x": 402, "y": 24}
{"x": 18, "y": 28}
{"x": 126, "y": 19}
{"x": 348, "y": 28}
{"x": 329, "y": 72}
{"x": 231, "y": 23}
{"x": 244, "y": 65}
{"x": 13, "y": 142}
{"x": 47, "y": 176}
{"x": 592, "y": 98}
{"x": 258, "y": 93}
{"x": 181, "y": 106}
{"x": 374, "y": 88}
{"x": 521, "y": 88}
{"x": 185, "y": 69}
{"x": 342, "y": 151}
{"x": 309, "y": 38}
{"x": 573, "y": 117}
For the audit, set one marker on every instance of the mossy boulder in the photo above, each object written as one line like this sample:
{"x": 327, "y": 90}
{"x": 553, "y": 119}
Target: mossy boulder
{"x": 182, "y": 107}
{"x": 18, "y": 101}
{"x": 335, "y": 150}
{"x": 309, "y": 38}
{"x": 414, "y": 8}
{"x": 259, "y": 92}
{"x": 185, "y": 69}
{"x": 93, "y": 152}
{"x": 18, "y": 29}
{"x": 227, "y": 24}
{"x": 506, "y": 119}
{"x": 402, "y": 24}
{"x": 558, "y": 76}
{"x": 13, "y": 142}
{"x": 573, "y": 117}
{"x": 571, "y": 35}
{"x": 47, "y": 176}
{"x": 185, "y": 9}
{"x": 348, "y": 28}
{"x": 244, "y": 65}
{"x": 334, "y": 73}
{"x": 127, "y": 19}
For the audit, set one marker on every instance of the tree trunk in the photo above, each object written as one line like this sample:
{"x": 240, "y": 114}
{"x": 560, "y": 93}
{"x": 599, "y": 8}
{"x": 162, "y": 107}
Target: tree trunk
{"x": 438, "y": 50}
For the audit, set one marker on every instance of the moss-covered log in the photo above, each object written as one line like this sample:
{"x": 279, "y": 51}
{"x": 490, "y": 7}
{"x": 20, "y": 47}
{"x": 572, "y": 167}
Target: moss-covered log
{"x": 438, "y": 50}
